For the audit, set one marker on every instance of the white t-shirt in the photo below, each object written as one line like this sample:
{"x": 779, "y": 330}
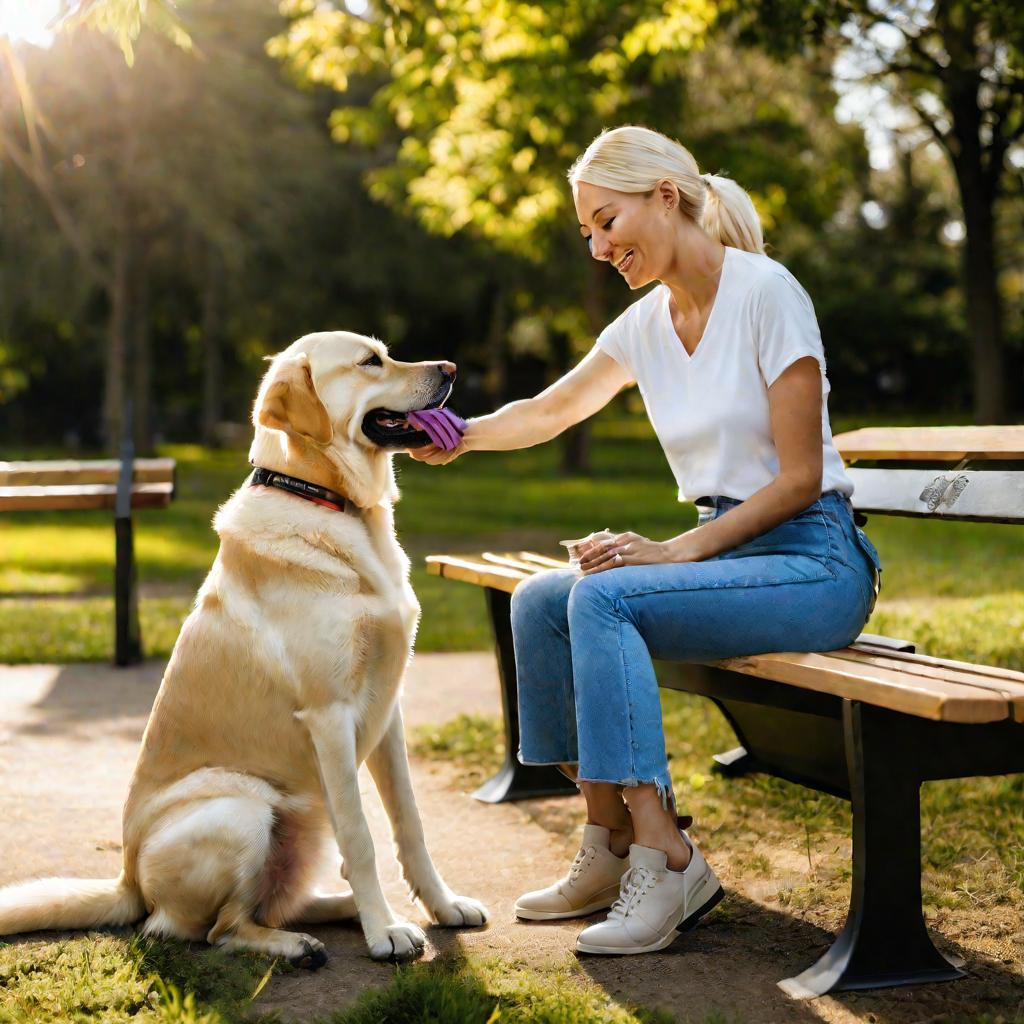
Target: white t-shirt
{"x": 710, "y": 410}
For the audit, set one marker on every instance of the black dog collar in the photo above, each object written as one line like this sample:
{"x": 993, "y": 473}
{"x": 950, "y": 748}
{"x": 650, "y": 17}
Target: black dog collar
{"x": 311, "y": 492}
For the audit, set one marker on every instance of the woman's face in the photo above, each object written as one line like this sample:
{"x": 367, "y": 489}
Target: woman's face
{"x": 628, "y": 229}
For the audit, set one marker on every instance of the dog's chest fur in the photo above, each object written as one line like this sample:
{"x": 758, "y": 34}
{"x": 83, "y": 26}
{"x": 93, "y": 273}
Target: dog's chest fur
{"x": 325, "y": 594}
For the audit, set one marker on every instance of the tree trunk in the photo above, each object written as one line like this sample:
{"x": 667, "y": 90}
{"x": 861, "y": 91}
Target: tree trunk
{"x": 984, "y": 307}
{"x": 495, "y": 373}
{"x": 576, "y": 443}
{"x": 979, "y": 186}
{"x": 141, "y": 357}
{"x": 212, "y": 335}
{"x": 117, "y": 338}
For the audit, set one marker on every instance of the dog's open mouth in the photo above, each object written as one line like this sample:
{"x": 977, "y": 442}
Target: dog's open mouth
{"x": 390, "y": 429}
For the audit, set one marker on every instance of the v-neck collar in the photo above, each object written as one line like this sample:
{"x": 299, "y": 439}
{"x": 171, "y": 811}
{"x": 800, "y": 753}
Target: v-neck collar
{"x": 688, "y": 357}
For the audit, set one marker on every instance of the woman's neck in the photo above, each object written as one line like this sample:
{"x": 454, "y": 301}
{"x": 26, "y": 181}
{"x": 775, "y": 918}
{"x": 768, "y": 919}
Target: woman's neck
{"x": 693, "y": 276}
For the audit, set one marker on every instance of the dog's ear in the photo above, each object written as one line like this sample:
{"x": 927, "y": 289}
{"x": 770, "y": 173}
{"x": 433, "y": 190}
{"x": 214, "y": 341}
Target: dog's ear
{"x": 291, "y": 403}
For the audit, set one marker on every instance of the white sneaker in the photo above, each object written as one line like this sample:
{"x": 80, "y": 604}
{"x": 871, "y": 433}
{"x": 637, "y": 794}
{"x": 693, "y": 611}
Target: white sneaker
{"x": 655, "y": 904}
{"x": 592, "y": 883}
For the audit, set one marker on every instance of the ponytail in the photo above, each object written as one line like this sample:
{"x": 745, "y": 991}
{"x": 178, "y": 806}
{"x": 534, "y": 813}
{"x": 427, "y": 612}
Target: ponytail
{"x": 729, "y": 216}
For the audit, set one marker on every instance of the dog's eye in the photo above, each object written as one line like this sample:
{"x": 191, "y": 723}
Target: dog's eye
{"x": 373, "y": 360}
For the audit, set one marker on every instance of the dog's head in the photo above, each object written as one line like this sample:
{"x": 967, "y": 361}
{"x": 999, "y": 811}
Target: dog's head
{"x": 332, "y": 408}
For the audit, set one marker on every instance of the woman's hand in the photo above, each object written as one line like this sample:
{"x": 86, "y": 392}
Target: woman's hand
{"x": 436, "y": 456}
{"x": 632, "y": 549}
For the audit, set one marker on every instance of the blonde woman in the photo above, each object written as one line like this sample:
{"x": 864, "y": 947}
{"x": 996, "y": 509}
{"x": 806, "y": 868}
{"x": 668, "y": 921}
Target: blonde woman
{"x": 727, "y": 355}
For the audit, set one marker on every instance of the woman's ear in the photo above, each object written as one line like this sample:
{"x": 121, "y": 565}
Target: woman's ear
{"x": 291, "y": 404}
{"x": 668, "y": 195}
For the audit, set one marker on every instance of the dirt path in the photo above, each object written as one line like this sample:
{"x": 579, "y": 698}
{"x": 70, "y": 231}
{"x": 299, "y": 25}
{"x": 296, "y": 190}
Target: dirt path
{"x": 68, "y": 737}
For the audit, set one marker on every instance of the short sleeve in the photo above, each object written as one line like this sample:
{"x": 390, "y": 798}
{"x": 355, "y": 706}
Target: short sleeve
{"x": 785, "y": 327}
{"x": 615, "y": 340}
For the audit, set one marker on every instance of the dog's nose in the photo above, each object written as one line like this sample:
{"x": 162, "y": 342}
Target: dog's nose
{"x": 447, "y": 368}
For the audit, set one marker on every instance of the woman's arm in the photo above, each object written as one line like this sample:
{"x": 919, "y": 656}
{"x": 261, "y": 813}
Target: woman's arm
{"x": 794, "y": 407}
{"x": 585, "y": 389}
{"x": 794, "y": 402}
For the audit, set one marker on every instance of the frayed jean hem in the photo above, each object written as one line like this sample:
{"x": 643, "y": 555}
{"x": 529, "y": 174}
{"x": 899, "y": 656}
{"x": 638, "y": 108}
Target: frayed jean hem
{"x": 664, "y": 789}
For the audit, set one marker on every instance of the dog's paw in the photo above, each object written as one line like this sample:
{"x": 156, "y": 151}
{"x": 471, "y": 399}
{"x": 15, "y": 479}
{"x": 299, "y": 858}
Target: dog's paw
{"x": 400, "y": 942}
{"x": 310, "y": 955}
{"x": 461, "y": 912}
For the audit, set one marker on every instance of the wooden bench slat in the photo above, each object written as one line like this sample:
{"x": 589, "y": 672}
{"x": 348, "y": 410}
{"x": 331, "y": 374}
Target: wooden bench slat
{"x": 939, "y": 444}
{"x": 1010, "y": 689}
{"x": 927, "y": 698}
{"x": 58, "y": 497}
{"x": 512, "y": 562}
{"x": 472, "y": 571}
{"x": 92, "y": 471}
{"x": 543, "y": 560}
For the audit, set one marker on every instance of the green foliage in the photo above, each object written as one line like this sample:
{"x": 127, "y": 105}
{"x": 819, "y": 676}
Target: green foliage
{"x": 123, "y": 20}
{"x": 487, "y": 112}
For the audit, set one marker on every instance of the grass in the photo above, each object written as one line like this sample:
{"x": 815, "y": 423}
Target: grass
{"x": 477, "y": 990}
{"x": 116, "y": 978}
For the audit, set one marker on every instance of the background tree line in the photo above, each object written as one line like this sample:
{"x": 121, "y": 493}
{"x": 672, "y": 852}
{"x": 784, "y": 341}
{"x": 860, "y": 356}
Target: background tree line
{"x": 165, "y": 224}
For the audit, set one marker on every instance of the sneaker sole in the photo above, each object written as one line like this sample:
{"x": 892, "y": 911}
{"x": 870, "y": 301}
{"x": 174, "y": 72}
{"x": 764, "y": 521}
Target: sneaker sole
{"x": 559, "y": 915}
{"x": 684, "y": 926}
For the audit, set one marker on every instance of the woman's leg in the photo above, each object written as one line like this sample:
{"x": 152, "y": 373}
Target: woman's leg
{"x": 540, "y": 637}
{"x": 698, "y": 611}
{"x": 547, "y": 705}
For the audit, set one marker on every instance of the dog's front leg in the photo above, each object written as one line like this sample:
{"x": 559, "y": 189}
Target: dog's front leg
{"x": 389, "y": 765}
{"x": 333, "y": 731}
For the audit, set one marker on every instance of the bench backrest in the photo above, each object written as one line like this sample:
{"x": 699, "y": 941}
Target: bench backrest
{"x": 965, "y": 473}
{"x": 40, "y": 473}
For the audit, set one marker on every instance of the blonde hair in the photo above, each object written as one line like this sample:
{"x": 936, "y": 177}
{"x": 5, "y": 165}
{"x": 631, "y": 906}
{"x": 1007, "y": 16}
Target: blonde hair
{"x": 634, "y": 159}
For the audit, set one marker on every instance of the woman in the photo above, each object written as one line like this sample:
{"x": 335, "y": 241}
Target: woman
{"x": 728, "y": 357}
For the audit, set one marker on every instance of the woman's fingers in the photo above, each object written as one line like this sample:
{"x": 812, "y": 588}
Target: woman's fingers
{"x": 607, "y": 555}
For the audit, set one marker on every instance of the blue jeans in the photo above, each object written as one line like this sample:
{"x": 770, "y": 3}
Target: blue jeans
{"x": 583, "y": 644}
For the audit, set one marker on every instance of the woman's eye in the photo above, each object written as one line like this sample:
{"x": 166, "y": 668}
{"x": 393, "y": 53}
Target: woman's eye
{"x": 373, "y": 360}
{"x": 590, "y": 244}
{"x": 609, "y": 224}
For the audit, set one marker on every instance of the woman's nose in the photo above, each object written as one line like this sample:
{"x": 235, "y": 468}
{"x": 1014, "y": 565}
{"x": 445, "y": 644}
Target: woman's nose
{"x": 600, "y": 250}
{"x": 448, "y": 368}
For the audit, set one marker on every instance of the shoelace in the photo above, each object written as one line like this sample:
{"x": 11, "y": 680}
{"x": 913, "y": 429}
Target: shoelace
{"x": 636, "y": 883}
{"x": 579, "y": 862}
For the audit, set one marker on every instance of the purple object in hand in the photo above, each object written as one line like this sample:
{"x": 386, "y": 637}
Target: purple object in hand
{"x": 442, "y": 426}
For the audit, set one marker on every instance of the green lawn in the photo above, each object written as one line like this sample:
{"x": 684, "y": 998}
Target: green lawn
{"x": 955, "y": 587}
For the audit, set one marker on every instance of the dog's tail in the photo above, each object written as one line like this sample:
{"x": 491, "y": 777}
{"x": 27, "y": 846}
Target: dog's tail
{"x": 61, "y": 903}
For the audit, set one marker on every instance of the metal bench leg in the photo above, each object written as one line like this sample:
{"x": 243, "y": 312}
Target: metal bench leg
{"x": 514, "y": 781}
{"x": 884, "y": 941}
{"x": 127, "y": 632}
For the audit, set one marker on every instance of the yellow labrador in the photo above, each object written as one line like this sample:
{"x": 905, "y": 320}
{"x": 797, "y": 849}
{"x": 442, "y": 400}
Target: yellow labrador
{"x": 285, "y": 678}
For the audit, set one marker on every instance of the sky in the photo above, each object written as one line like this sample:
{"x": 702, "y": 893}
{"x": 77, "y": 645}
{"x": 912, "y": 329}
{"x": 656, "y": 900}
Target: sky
{"x": 26, "y": 20}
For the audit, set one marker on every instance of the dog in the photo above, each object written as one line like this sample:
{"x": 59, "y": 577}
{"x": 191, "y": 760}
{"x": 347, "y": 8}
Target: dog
{"x": 284, "y": 679}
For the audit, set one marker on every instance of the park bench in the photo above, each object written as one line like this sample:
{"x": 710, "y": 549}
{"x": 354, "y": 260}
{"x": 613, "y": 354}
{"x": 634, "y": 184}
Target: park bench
{"x": 868, "y": 723}
{"x": 119, "y": 484}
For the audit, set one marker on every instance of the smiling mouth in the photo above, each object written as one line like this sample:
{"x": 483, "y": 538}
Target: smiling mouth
{"x": 388, "y": 428}
{"x": 626, "y": 262}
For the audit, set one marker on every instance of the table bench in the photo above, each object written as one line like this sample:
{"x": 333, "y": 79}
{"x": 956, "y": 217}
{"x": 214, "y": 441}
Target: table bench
{"x": 868, "y": 723}
{"x": 118, "y": 484}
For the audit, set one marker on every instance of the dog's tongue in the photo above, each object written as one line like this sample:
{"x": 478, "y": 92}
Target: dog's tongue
{"x": 442, "y": 426}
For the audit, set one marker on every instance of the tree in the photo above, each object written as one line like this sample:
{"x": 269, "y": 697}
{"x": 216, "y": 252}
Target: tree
{"x": 474, "y": 120}
{"x": 958, "y": 65}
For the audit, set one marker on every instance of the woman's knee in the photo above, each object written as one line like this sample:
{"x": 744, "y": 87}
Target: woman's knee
{"x": 543, "y": 596}
{"x": 592, "y": 596}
